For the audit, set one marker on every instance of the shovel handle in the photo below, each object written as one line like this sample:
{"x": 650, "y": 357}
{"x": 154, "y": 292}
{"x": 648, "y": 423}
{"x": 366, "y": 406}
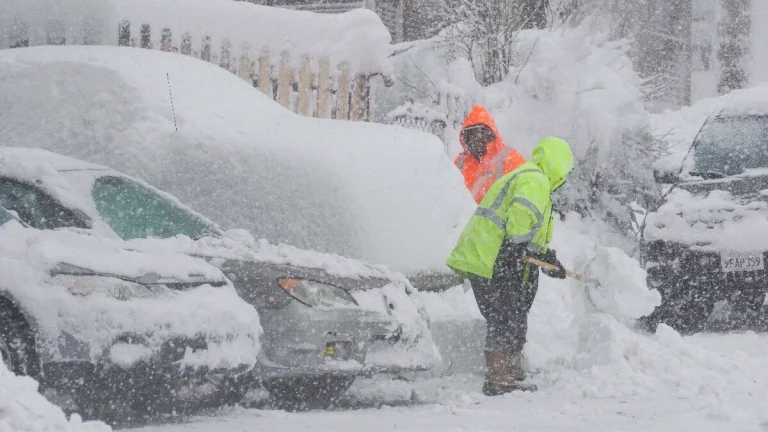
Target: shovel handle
{"x": 548, "y": 266}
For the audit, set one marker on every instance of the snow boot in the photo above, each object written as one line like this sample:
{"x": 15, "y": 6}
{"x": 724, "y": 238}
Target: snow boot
{"x": 504, "y": 374}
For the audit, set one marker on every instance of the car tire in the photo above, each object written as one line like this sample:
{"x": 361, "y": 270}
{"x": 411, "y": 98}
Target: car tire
{"x": 308, "y": 392}
{"x": 17, "y": 342}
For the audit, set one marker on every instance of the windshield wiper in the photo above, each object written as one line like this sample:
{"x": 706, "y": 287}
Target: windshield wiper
{"x": 707, "y": 175}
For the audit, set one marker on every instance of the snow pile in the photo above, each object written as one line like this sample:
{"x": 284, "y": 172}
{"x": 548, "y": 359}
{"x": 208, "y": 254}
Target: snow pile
{"x": 23, "y": 409}
{"x": 713, "y": 221}
{"x": 357, "y": 37}
{"x": 415, "y": 349}
{"x": 366, "y": 191}
{"x": 617, "y": 284}
{"x": 677, "y": 129}
{"x": 92, "y": 313}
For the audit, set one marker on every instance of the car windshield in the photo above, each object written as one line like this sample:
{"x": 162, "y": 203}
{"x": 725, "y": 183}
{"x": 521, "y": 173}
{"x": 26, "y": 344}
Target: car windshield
{"x": 133, "y": 211}
{"x": 731, "y": 145}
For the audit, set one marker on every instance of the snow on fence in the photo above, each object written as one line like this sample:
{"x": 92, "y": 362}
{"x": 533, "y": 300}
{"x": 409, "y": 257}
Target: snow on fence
{"x": 314, "y": 64}
{"x": 441, "y": 116}
{"x": 323, "y": 90}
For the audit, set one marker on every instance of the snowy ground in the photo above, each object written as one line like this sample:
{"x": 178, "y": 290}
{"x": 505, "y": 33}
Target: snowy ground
{"x": 729, "y": 393}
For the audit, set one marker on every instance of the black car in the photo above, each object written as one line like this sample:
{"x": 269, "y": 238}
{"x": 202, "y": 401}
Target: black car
{"x": 705, "y": 245}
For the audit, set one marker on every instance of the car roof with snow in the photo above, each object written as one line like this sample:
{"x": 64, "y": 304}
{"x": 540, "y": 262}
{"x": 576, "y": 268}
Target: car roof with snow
{"x": 32, "y": 157}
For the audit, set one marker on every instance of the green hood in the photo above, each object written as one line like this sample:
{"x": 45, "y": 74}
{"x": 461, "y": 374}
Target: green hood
{"x": 555, "y": 158}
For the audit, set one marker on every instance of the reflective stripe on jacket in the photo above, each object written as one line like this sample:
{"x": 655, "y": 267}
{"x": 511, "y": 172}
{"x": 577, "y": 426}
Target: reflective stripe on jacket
{"x": 517, "y": 206}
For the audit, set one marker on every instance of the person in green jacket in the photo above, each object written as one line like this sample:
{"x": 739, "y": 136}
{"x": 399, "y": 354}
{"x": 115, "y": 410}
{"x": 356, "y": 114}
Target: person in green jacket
{"x": 513, "y": 220}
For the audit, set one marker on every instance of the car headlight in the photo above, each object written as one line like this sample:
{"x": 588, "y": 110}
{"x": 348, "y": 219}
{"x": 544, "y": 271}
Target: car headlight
{"x": 312, "y": 293}
{"x": 86, "y": 286}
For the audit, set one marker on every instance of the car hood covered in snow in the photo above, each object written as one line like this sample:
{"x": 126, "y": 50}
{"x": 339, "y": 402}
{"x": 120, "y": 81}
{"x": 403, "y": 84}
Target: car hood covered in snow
{"x": 82, "y": 317}
{"x": 712, "y": 215}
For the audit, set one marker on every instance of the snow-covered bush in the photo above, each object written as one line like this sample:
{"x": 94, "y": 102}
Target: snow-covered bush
{"x": 570, "y": 83}
{"x": 23, "y": 409}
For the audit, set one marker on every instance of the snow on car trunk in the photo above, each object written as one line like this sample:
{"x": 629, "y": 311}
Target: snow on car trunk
{"x": 367, "y": 191}
{"x": 22, "y": 408}
{"x": 95, "y": 311}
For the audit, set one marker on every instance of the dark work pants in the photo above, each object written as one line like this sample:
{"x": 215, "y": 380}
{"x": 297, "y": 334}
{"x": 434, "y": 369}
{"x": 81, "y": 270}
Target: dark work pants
{"x": 505, "y": 302}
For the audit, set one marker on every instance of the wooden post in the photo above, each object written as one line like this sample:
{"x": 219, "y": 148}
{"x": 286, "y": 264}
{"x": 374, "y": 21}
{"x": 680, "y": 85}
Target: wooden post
{"x": 342, "y": 94}
{"x": 145, "y": 36}
{"x": 305, "y": 88}
{"x": 205, "y": 52}
{"x": 324, "y": 89}
{"x": 186, "y": 44}
{"x": 165, "y": 40}
{"x": 226, "y": 58}
{"x": 124, "y": 33}
{"x": 357, "y": 111}
{"x": 245, "y": 65}
{"x": 284, "y": 80}
{"x": 265, "y": 75}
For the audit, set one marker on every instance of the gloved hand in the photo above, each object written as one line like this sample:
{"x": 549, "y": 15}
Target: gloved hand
{"x": 551, "y": 257}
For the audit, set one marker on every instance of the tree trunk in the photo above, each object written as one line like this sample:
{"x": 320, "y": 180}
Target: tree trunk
{"x": 734, "y": 31}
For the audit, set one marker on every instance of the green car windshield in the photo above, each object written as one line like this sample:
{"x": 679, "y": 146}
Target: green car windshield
{"x": 133, "y": 211}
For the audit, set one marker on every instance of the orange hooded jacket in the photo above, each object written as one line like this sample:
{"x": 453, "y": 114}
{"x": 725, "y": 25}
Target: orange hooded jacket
{"x": 498, "y": 160}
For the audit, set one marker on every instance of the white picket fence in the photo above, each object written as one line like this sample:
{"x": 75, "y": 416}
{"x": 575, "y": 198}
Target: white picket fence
{"x": 316, "y": 89}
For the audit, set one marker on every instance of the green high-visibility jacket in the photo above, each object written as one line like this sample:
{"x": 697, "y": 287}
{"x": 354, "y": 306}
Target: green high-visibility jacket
{"x": 517, "y": 206}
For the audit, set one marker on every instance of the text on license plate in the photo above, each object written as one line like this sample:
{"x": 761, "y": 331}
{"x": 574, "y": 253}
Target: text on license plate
{"x": 742, "y": 262}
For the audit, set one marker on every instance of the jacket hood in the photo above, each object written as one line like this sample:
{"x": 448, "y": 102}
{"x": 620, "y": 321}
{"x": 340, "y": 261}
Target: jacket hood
{"x": 554, "y": 157}
{"x": 480, "y": 115}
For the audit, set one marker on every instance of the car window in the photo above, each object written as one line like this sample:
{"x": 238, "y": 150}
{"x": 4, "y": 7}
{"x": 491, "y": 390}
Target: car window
{"x": 35, "y": 207}
{"x": 731, "y": 145}
{"x": 5, "y": 217}
{"x": 133, "y": 211}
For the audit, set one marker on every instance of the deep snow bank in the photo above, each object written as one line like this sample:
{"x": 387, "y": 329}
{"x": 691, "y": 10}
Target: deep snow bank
{"x": 363, "y": 190}
{"x": 23, "y": 409}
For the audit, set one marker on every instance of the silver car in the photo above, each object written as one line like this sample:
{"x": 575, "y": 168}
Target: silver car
{"x": 326, "y": 319}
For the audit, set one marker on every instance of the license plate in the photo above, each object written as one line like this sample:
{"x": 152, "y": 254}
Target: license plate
{"x": 738, "y": 262}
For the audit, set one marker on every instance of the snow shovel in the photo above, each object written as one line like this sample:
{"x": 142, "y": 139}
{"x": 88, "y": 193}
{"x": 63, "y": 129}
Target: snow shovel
{"x": 571, "y": 274}
{"x": 590, "y": 283}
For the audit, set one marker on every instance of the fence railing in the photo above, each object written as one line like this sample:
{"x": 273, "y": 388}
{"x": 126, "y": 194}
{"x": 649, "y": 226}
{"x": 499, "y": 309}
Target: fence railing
{"x": 317, "y": 89}
{"x": 440, "y": 117}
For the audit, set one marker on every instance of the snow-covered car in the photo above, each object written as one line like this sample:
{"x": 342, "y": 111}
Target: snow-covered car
{"x": 326, "y": 318}
{"x": 707, "y": 242}
{"x": 116, "y": 329}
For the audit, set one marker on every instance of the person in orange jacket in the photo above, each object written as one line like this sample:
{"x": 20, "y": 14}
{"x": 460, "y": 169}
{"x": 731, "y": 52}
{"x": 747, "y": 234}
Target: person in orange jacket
{"x": 484, "y": 157}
